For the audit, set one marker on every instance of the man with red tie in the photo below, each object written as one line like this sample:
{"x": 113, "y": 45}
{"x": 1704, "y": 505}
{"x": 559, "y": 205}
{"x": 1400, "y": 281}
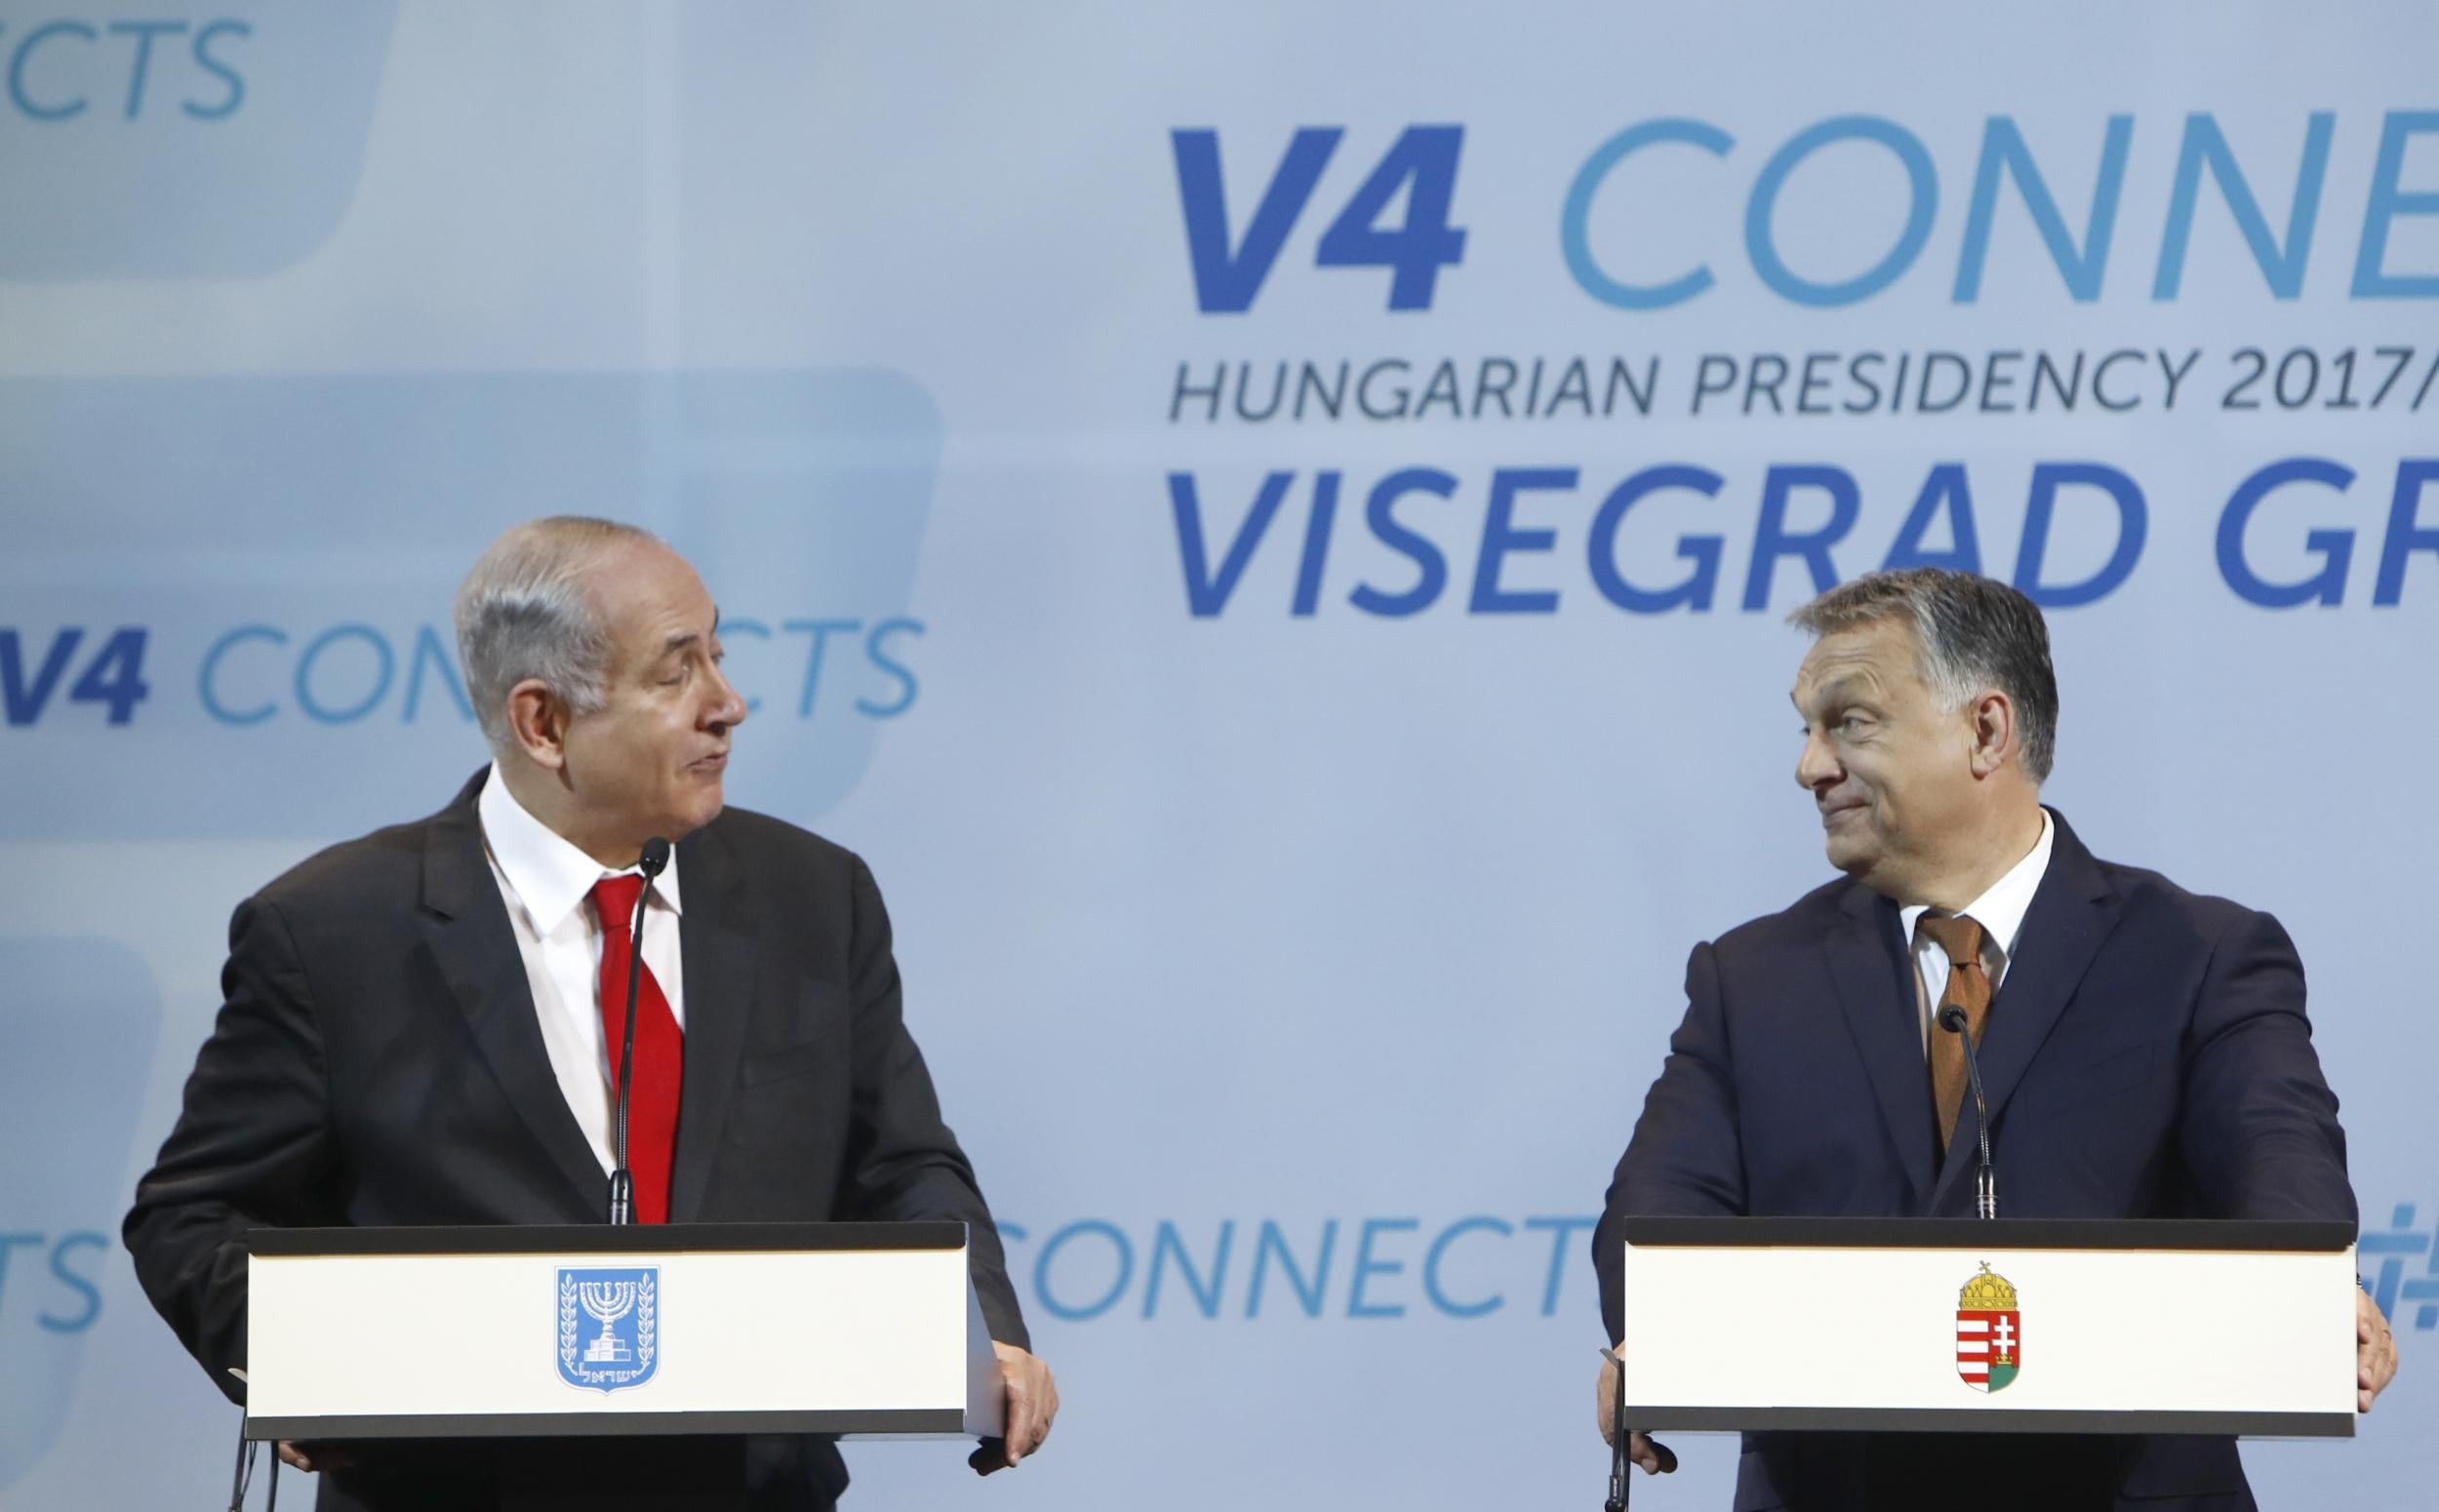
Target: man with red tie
{"x": 424, "y": 1026}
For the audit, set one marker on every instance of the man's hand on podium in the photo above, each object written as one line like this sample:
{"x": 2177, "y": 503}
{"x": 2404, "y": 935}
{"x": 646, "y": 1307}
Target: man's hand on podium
{"x": 1655, "y": 1458}
{"x": 313, "y": 1457}
{"x": 1032, "y": 1404}
{"x": 2374, "y": 1352}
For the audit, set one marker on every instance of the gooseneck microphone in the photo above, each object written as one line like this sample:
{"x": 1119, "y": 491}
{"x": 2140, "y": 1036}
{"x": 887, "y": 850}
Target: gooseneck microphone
{"x": 655, "y": 857}
{"x": 1985, "y": 1176}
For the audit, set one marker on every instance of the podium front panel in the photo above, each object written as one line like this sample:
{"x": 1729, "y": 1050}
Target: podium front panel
{"x": 1970, "y": 1326}
{"x": 692, "y": 1329}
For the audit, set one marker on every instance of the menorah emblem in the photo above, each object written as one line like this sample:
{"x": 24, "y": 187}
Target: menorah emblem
{"x": 622, "y": 1351}
{"x": 607, "y": 1301}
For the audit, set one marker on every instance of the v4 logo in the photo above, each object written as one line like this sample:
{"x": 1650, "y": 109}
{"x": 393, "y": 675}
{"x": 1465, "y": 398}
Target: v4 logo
{"x": 1229, "y": 270}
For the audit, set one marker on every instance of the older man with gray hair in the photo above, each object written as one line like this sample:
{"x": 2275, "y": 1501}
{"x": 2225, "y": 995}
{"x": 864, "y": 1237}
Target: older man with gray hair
{"x": 2145, "y": 1048}
{"x": 422, "y": 1026}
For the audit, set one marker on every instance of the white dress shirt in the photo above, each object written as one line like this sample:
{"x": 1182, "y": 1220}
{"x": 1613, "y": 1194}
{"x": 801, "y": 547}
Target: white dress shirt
{"x": 2000, "y": 912}
{"x": 545, "y": 880}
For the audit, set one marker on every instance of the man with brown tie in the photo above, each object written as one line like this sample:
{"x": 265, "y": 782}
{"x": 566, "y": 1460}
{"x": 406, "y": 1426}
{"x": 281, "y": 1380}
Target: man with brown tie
{"x": 423, "y": 1027}
{"x": 2144, "y": 1049}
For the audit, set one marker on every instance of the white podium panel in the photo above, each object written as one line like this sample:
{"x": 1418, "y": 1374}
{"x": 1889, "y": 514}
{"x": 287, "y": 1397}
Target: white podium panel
{"x": 1973, "y": 1325}
{"x": 837, "y": 1327}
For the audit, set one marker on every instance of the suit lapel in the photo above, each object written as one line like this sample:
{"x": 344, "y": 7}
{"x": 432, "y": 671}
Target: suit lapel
{"x": 1874, "y": 981}
{"x": 714, "y": 936}
{"x": 2072, "y": 912}
{"x": 465, "y": 926}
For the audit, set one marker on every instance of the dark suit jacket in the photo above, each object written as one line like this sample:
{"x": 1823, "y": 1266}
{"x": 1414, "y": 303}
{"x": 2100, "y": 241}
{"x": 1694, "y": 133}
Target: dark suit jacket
{"x": 2146, "y": 1056}
{"x": 378, "y": 1061}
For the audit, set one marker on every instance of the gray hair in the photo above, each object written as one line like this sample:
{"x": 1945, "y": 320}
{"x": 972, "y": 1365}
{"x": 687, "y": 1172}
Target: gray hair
{"x": 1974, "y": 633}
{"x": 524, "y": 612}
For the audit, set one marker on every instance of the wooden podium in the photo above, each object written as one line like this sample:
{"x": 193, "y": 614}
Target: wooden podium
{"x": 2000, "y": 1325}
{"x": 862, "y": 1328}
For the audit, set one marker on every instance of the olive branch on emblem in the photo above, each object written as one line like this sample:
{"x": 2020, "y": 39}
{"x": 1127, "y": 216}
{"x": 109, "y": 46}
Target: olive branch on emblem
{"x": 567, "y": 1322}
{"x": 644, "y": 1324}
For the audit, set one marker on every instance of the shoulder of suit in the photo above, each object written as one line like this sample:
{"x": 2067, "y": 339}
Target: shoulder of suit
{"x": 2141, "y": 890}
{"x": 389, "y": 859}
{"x": 762, "y": 838}
{"x": 1801, "y": 922}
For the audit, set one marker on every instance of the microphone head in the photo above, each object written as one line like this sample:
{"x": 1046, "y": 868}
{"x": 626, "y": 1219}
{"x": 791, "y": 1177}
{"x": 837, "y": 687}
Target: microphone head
{"x": 655, "y": 857}
{"x": 1953, "y": 1019}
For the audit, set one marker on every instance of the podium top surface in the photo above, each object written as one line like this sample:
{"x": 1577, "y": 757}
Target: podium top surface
{"x": 2280, "y": 1235}
{"x": 606, "y": 1239}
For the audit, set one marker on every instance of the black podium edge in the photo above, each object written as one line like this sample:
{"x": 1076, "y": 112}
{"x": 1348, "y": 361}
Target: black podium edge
{"x": 604, "y": 1238}
{"x": 534, "y": 1425}
{"x": 1859, "y": 1419}
{"x": 2190, "y": 1234}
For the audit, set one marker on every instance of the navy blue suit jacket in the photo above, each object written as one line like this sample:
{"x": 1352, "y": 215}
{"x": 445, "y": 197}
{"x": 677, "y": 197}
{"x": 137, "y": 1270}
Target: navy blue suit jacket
{"x": 2146, "y": 1056}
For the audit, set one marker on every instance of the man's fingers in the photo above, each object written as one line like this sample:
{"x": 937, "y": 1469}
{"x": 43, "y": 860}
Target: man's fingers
{"x": 294, "y": 1457}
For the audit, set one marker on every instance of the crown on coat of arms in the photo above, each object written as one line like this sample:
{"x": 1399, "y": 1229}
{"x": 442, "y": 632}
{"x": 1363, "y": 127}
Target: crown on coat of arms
{"x": 1987, "y": 1293}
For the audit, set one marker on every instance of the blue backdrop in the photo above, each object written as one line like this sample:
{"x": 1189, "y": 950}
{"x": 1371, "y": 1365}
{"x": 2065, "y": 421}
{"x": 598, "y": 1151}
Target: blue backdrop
{"x": 1270, "y": 528}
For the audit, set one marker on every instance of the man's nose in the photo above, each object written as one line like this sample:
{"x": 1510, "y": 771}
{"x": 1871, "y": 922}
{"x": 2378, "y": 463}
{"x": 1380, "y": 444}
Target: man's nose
{"x": 1817, "y": 767}
{"x": 730, "y": 708}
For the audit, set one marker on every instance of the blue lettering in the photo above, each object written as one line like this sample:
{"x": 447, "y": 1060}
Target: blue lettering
{"x": 431, "y": 654}
{"x": 1773, "y": 540}
{"x": 25, "y": 104}
{"x": 2003, "y": 150}
{"x": 2371, "y": 281}
{"x": 227, "y": 75}
{"x": 876, "y": 648}
{"x": 1117, "y": 1286}
{"x": 2406, "y": 533}
{"x": 1499, "y": 538}
{"x": 1700, "y": 550}
{"x": 1206, "y": 594}
{"x": 8, "y": 1242}
{"x": 24, "y": 704}
{"x": 207, "y": 687}
{"x": 1225, "y": 281}
{"x": 1945, "y": 487}
{"x": 2133, "y": 522}
{"x": 1165, "y": 1243}
{"x": 820, "y": 630}
{"x": 1366, "y": 1267}
{"x": 1439, "y": 1249}
{"x": 1560, "y": 1229}
{"x": 1423, "y": 162}
{"x": 1923, "y": 192}
{"x": 83, "y": 1286}
{"x": 144, "y": 32}
{"x": 2203, "y": 144}
{"x": 382, "y": 659}
{"x": 1307, "y": 1296}
{"x": 2336, "y": 547}
{"x": 1325, "y": 511}
{"x": 1432, "y": 567}
{"x": 1573, "y": 221}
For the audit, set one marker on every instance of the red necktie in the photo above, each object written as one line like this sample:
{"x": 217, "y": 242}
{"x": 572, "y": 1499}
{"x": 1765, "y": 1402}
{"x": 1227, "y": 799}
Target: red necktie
{"x": 659, "y": 1050}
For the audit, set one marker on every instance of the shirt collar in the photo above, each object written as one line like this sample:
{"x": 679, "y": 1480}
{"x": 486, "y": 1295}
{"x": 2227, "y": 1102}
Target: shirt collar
{"x": 2001, "y": 910}
{"x": 550, "y": 876}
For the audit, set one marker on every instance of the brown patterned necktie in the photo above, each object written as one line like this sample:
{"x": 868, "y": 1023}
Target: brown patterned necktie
{"x": 1968, "y": 988}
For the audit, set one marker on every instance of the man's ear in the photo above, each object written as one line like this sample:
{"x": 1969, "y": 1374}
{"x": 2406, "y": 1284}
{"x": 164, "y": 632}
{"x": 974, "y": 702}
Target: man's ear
{"x": 538, "y": 722}
{"x": 1994, "y": 732}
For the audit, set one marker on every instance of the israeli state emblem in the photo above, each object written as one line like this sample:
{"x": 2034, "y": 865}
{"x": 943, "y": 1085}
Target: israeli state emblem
{"x": 1990, "y": 1331}
{"x": 608, "y": 1327}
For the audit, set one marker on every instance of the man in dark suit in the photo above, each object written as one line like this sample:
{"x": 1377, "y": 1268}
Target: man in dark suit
{"x": 414, "y": 1027}
{"x": 2144, "y": 1049}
